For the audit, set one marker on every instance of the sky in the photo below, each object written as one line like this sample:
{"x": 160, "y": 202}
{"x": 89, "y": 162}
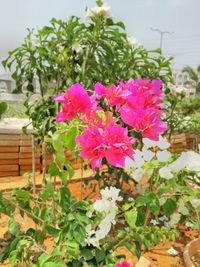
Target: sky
{"x": 180, "y": 17}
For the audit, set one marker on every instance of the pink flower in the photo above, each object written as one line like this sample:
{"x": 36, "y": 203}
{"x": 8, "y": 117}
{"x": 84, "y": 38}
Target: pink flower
{"x": 110, "y": 141}
{"x": 100, "y": 90}
{"x": 144, "y": 94}
{"x": 91, "y": 142}
{"x": 75, "y": 100}
{"x": 147, "y": 121}
{"x": 118, "y": 145}
{"x": 115, "y": 95}
{"x": 123, "y": 264}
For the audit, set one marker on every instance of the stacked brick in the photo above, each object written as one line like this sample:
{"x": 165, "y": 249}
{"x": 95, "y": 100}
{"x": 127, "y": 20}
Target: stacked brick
{"x": 9, "y": 154}
{"x": 185, "y": 141}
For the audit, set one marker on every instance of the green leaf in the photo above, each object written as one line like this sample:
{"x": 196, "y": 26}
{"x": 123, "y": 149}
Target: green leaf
{"x": 54, "y": 264}
{"x": 141, "y": 216}
{"x": 131, "y": 217}
{"x": 54, "y": 169}
{"x": 13, "y": 227}
{"x": 121, "y": 25}
{"x": 126, "y": 206}
{"x": 100, "y": 255}
{"x": 79, "y": 234}
{"x": 3, "y": 108}
{"x": 154, "y": 206}
{"x": 69, "y": 138}
{"x": 87, "y": 254}
{"x": 169, "y": 207}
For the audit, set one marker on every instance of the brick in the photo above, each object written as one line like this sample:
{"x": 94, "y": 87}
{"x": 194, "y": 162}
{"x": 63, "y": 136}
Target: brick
{"x": 9, "y": 155}
{"x": 27, "y": 155}
{"x": 9, "y": 137}
{"x": 9, "y": 142}
{"x": 25, "y": 143}
{"x": 8, "y": 161}
{"x": 9, "y": 167}
{"x": 25, "y": 137}
{"x": 9, "y": 149}
{"x": 27, "y": 149}
{"x": 28, "y": 161}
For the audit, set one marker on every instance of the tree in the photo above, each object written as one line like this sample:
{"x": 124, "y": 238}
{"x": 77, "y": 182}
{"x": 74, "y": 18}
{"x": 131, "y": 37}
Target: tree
{"x": 194, "y": 76}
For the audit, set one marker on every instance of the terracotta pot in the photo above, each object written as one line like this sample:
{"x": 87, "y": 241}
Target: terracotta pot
{"x": 192, "y": 248}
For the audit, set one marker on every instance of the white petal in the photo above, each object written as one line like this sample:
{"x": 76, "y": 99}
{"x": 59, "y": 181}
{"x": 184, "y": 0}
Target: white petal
{"x": 149, "y": 143}
{"x": 148, "y": 155}
{"x": 165, "y": 172}
{"x": 172, "y": 252}
{"x": 163, "y": 156}
{"x": 138, "y": 174}
{"x": 193, "y": 162}
{"x": 163, "y": 143}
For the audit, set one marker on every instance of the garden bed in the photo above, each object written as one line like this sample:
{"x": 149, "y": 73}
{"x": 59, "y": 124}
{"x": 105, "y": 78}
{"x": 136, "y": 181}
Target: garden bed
{"x": 158, "y": 256}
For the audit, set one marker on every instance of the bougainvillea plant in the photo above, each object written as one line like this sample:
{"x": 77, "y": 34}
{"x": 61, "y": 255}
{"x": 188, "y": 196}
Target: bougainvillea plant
{"x": 113, "y": 127}
{"x": 133, "y": 106}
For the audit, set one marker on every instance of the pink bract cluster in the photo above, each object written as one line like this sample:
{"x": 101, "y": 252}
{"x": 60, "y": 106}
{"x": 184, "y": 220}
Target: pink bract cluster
{"x": 136, "y": 103}
{"x": 123, "y": 264}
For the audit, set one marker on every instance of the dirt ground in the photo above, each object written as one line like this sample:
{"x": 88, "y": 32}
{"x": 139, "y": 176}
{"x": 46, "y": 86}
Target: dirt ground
{"x": 158, "y": 256}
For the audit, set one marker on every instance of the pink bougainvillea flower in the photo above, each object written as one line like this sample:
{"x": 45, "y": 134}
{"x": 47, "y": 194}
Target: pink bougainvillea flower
{"x": 92, "y": 143}
{"x": 115, "y": 95}
{"x": 91, "y": 117}
{"x": 75, "y": 100}
{"x": 118, "y": 145}
{"x": 147, "y": 121}
{"x": 144, "y": 94}
{"x": 100, "y": 90}
{"x": 110, "y": 141}
{"x": 123, "y": 264}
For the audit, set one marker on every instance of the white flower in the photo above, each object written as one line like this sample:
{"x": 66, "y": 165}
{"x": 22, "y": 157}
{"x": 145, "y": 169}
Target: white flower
{"x": 195, "y": 202}
{"x": 89, "y": 230}
{"x": 132, "y": 41}
{"x": 137, "y": 162}
{"x": 93, "y": 237}
{"x": 175, "y": 218}
{"x": 163, "y": 218}
{"x": 130, "y": 199}
{"x": 163, "y": 156}
{"x": 77, "y": 48}
{"x": 111, "y": 193}
{"x": 193, "y": 161}
{"x": 162, "y": 143}
{"x": 103, "y": 10}
{"x": 182, "y": 208}
{"x": 147, "y": 154}
{"x": 138, "y": 174}
{"x": 172, "y": 252}
{"x": 154, "y": 222}
{"x": 165, "y": 172}
{"x": 189, "y": 160}
{"x": 103, "y": 205}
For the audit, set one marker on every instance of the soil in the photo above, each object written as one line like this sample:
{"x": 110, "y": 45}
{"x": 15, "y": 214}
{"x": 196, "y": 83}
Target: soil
{"x": 158, "y": 256}
{"x": 196, "y": 259}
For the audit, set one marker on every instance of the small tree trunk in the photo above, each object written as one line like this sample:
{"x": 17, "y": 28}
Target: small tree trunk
{"x": 33, "y": 165}
{"x": 44, "y": 161}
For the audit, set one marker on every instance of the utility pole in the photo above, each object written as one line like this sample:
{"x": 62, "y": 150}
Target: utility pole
{"x": 161, "y": 35}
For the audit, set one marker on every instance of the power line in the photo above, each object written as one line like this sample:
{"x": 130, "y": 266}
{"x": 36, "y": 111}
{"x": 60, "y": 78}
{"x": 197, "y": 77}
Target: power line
{"x": 161, "y": 35}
